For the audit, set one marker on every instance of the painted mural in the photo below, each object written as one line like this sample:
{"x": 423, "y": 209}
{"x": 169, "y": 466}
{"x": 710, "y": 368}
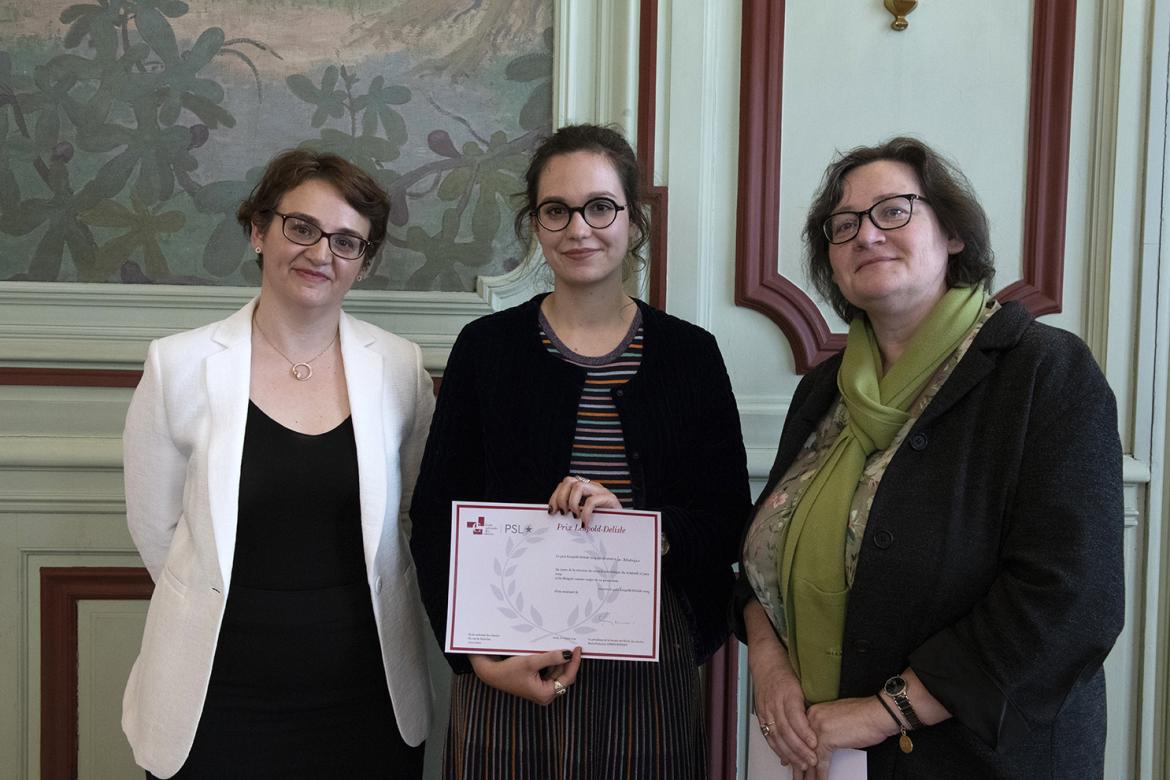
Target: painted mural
{"x": 131, "y": 129}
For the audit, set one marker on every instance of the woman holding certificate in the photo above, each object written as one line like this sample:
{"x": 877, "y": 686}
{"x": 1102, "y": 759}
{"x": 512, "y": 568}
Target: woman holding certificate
{"x": 586, "y": 399}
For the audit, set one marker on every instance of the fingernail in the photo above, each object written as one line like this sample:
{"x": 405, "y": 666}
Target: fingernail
{"x": 567, "y": 655}
{"x": 550, "y": 510}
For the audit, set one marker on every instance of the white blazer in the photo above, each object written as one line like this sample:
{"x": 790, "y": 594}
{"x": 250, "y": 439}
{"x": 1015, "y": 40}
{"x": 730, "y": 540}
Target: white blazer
{"x": 182, "y": 447}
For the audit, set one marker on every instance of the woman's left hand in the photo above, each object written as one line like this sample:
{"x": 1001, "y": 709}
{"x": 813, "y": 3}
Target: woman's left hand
{"x": 845, "y": 723}
{"x": 579, "y": 497}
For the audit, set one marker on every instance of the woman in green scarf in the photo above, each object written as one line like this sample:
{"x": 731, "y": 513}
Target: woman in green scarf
{"x": 935, "y": 564}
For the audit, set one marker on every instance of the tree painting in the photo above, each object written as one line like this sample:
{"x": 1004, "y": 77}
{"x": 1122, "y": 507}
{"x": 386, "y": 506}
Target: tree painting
{"x": 130, "y": 130}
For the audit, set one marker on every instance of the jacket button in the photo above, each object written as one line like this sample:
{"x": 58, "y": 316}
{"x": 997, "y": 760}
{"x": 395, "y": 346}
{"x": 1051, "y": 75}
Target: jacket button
{"x": 861, "y": 646}
{"x": 378, "y": 585}
{"x": 635, "y": 456}
{"x": 619, "y": 392}
{"x": 882, "y": 538}
{"x": 918, "y": 441}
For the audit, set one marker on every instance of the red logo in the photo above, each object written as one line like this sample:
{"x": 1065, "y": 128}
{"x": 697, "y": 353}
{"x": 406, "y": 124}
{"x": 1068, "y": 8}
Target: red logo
{"x": 476, "y": 526}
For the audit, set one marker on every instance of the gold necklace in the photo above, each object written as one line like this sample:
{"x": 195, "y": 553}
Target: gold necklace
{"x": 302, "y": 372}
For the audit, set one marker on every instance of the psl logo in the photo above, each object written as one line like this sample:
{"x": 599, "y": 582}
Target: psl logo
{"x": 476, "y": 526}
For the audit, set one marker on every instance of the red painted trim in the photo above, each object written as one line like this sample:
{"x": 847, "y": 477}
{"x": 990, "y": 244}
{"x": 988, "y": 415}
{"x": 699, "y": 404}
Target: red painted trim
{"x": 657, "y": 200}
{"x": 61, "y": 589}
{"x": 758, "y": 283}
{"x": 723, "y": 711}
{"x": 656, "y": 197}
{"x": 1049, "y": 118}
{"x": 88, "y": 377}
{"x": 69, "y": 377}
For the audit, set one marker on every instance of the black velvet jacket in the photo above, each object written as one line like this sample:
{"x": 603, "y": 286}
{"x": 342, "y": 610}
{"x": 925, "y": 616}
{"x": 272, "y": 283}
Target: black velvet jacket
{"x": 992, "y": 558}
{"x": 503, "y": 430}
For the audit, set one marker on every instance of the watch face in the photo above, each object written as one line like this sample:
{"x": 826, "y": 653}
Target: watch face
{"x": 895, "y": 686}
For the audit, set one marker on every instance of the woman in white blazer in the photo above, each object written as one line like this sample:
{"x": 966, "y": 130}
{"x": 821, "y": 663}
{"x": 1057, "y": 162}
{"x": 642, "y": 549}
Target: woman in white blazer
{"x": 268, "y": 459}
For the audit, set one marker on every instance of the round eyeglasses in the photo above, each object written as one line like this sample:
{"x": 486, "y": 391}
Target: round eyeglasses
{"x": 888, "y": 214}
{"x": 300, "y": 231}
{"x": 598, "y": 213}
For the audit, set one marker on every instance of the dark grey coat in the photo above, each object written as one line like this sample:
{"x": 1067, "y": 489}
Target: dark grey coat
{"x": 992, "y": 559}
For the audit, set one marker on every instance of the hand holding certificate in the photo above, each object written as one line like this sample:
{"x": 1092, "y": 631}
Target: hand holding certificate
{"x": 525, "y": 581}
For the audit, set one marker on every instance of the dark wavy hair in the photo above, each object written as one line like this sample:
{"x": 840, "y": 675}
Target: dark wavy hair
{"x": 951, "y": 197}
{"x": 586, "y": 138}
{"x": 292, "y": 168}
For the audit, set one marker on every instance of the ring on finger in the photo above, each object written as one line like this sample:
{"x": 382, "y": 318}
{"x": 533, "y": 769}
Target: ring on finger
{"x": 559, "y": 688}
{"x": 766, "y": 728}
{"x": 581, "y": 479}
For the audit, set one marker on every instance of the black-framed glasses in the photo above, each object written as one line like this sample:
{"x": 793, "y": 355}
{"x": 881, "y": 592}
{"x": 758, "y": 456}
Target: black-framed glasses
{"x": 347, "y": 246}
{"x": 598, "y": 213}
{"x": 887, "y": 214}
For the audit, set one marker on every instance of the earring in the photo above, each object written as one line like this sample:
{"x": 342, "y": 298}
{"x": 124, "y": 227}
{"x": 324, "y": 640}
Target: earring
{"x": 256, "y": 249}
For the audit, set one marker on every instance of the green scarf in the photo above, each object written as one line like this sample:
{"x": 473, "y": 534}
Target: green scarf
{"x": 811, "y": 570}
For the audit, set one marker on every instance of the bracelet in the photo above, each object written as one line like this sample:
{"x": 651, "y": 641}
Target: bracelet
{"x": 886, "y": 707}
{"x": 905, "y": 744}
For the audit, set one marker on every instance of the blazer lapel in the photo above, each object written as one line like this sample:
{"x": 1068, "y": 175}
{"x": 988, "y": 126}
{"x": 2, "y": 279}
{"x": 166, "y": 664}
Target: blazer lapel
{"x": 1001, "y": 331}
{"x": 363, "y": 378}
{"x": 228, "y": 378}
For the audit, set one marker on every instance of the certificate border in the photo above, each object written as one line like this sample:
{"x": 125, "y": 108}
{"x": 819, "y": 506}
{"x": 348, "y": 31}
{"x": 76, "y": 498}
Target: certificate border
{"x": 453, "y": 582}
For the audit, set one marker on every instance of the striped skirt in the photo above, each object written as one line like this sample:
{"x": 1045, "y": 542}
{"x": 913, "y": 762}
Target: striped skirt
{"x": 621, "y": 719}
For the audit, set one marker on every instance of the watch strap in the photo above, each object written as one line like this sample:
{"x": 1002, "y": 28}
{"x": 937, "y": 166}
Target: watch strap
{"x": 898, "y": 694}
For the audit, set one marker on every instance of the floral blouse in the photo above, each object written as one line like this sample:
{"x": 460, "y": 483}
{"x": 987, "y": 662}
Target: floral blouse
{"x": 765, "y": 538}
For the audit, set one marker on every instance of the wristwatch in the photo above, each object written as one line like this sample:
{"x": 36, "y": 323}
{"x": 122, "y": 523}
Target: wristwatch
{"x": 895, "y": 688}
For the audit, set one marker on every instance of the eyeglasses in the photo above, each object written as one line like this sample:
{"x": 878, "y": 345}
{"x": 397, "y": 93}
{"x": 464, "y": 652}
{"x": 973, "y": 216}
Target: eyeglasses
{"x": 299, "y": 231}
{"x": 598, "y": 213}
{"x": 889, "y": 214}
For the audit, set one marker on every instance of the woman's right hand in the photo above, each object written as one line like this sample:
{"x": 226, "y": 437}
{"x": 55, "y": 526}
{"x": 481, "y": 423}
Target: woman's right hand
{"x": 780, "y": 701}
{"x": 529, "y": 676}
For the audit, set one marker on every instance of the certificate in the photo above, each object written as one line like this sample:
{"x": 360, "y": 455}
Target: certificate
{"x": 525, "y": 581}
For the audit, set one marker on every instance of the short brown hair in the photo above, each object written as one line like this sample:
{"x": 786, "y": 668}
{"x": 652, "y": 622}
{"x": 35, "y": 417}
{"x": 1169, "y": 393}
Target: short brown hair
{"x": 293, "y": 167}
{"x": 951, "y": 197}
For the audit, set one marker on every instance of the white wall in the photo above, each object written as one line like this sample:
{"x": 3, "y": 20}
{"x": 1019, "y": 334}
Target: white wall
{"x": 60, "y": 499}
{"x": 965, "y": 92}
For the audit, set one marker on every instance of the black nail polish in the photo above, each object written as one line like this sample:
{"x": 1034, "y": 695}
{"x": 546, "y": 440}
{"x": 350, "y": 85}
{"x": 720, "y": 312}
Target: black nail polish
{"x": 550, "y": 510}
{"x": 567, "y": 655}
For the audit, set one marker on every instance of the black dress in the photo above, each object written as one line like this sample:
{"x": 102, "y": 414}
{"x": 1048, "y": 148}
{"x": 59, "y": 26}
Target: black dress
{"x": 298, "y": 688}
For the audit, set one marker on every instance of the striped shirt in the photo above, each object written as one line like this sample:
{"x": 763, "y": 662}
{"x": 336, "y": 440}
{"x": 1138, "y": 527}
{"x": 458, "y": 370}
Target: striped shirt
{"x": 599, "y": 447}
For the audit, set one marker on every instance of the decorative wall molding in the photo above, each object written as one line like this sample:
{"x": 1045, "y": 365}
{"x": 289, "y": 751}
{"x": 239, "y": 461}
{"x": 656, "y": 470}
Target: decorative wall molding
{"x": 1099, "y": 242}
{"x": 60, "y": 452}
{"x": 69, "y": 377}
{"x": 61, "y": 589}
{"x": 759, "y": 284}
{"x": 656, "y": 196}
{"x": 1150, "y": 22}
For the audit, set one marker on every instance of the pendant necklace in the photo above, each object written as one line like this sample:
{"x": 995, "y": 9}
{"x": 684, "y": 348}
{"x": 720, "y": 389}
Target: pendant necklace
{"x": 303, "y": 371}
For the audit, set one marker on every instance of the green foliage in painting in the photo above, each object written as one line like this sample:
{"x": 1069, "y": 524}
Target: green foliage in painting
{"x": 98, "y": 164}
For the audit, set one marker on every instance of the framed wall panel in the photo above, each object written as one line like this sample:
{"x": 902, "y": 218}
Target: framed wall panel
{"x": 759, "y": 283}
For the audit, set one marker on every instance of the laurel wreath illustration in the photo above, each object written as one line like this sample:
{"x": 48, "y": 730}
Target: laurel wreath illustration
{"x": 526, "y": 616}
